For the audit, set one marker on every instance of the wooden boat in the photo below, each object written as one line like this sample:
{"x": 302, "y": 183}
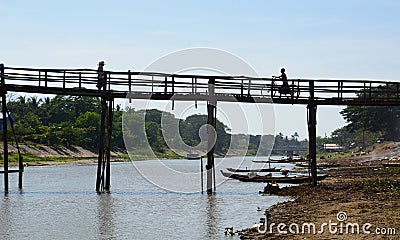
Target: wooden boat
{"x": 254, "y": 170}
{"x": 193, "y": 156}
{"x": 298, "y": 158}
{"x": 283, "y": 160}
{"x": 270, "y": 178}
{"x": 322, "y": 165}
{"x": 261, "y": 161}
{"x": 270, "y": 188}
{"x": 391, "y": 164}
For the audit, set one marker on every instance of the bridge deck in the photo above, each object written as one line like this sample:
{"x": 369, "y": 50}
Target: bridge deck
{"x": 162, "y": 86}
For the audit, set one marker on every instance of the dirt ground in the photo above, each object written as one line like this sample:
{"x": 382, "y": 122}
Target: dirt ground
{"x": 359, "y": 200}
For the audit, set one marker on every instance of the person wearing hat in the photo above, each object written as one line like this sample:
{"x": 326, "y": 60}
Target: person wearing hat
{"x": 100, "y": 75}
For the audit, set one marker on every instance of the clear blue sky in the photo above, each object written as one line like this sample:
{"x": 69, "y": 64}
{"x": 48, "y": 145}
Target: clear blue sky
{"x": 312, "y": 39}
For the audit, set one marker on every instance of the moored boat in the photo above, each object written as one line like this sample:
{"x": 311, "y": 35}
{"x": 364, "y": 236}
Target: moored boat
{"x": 193, "y": 156}
{"x": 391, "y": 164}
{"x": 254, "y": 170}
{"x": 321, "y": 165}
{"x": 270, "y": 178}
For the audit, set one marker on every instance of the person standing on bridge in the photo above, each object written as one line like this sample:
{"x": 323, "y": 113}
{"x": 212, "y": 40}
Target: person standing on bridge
{"x": 100, "y": 75}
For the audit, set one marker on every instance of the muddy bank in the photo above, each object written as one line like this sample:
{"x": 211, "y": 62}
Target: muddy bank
{"x": 35, "y": 154}
{"x": 365, "y": 195}
{"x": 56, "y": 151}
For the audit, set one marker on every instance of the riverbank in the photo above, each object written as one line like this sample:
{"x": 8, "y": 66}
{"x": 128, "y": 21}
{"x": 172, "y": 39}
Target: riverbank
{"x": 361, "y": 192}
{"x": 39, "y": 155}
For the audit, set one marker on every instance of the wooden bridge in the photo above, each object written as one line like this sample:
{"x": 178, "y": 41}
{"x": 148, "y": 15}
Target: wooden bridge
{"x": 180, "y": 87}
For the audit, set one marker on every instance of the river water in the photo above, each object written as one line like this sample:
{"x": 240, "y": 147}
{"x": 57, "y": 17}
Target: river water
{"x": 59, "y": 202}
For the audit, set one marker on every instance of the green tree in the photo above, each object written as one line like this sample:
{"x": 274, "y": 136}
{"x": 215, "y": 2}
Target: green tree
{"x": 88, "y": 125}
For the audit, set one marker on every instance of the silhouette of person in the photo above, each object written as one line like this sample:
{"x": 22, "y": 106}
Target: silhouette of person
{"x": 283, "y": 77}
{"x": 100, "y": 75}
{"x": 284, "y": 89}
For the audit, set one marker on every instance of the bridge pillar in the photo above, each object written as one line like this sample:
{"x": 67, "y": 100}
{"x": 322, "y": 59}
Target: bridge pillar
{"x": 103, "y": 163}
{"x": 312, "y": 135}
{"x": 4, "y": 111}
{"x": 211, "y": 120}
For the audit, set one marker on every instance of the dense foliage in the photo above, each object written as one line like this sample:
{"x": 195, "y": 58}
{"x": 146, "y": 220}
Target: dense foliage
{"x": 367, "y": 124}
{"x": 75, "y": 120}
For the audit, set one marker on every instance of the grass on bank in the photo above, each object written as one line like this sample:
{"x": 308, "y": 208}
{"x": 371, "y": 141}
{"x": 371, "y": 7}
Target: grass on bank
{"x": 30, "y": 158}
{"x": 33, "y": 159}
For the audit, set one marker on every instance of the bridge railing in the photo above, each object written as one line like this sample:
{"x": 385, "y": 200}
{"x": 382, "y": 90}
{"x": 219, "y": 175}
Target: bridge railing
{"x": 243, "y": 87}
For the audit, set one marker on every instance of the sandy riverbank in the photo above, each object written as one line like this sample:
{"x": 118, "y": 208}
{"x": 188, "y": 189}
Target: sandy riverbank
{"x": 39, "y": 155}
{"x": 365, "y": 192}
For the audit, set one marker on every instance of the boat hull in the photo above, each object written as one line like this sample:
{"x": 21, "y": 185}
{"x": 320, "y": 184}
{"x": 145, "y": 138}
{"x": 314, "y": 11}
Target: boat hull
{"x": 254, "y": 170}
{"x": 266, "y": 179}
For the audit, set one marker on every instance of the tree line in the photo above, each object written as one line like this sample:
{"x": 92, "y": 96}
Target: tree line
{"x": 367, "y": 124}
{"x": 75, "y": 120}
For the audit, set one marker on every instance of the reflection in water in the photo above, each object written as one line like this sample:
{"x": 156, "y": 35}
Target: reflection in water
{"x": 5, "y": 218}
{"x": 212, "y": 217}
{"x": 106, "y": 228}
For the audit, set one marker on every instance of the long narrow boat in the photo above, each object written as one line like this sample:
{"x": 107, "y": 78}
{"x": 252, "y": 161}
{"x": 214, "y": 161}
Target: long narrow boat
{"x": 269, "y": 178}
{"x": 391, "y": 164}
{"x": 321, "y": 165}
{"x": 282, "y": 160}
{"x": 254, "y": 170}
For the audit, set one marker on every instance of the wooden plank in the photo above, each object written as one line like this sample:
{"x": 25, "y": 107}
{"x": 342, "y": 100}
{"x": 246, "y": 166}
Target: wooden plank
{"x": 10, "y": 171}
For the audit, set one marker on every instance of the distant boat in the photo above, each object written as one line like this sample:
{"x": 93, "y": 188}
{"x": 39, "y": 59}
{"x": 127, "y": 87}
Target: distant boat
{"x": 321, "y": 165}
{"x": 281, "y": 160}
{"x": 391, "y": 164}
{"x": 297, "y": 157}
{"x": 270, "y": 178}
{"x": 254, "y": 170}
{"x": 193, "y": 156}
{"x": 272, "y": 160}
{"x": 260, "y": 161}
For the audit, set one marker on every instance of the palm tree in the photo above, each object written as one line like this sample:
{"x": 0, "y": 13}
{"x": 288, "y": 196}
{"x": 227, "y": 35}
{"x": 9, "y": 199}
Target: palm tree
{"x": 296, "y": 136}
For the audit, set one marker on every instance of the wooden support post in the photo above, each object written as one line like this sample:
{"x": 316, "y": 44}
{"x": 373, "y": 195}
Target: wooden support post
{"x": 4, "y": 111}
{"x": 130, "y": 86}
{"x": 108, "y": 149}
{"x": 173, "y": 85}
{"x": 201, "y": 173}
{"x": 80, "y": 80}
{"x": 166, "y": 85}
{"x": 241, "y": 89}
{"x": 211, "y": 106}
{"x": 20, "y": 169}
{"x": 312, "y": 135}
{"x": 45, "y": 78}
{"x": 63, "y": 80}
{"x": 100, "y": 179}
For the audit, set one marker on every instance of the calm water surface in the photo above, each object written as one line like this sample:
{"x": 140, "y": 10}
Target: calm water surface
{"x": 59, "y": 202}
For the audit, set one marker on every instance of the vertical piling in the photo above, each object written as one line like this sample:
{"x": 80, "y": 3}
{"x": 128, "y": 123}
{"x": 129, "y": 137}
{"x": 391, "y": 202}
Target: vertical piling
{"x": 100, "y": 176}
{"x": 108, "y": 149}
{"x": 312, "y": 134}
{"x": 104, "y": 158}
{"x": 4, "y": 111}
{"x": 211, "y": 107}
